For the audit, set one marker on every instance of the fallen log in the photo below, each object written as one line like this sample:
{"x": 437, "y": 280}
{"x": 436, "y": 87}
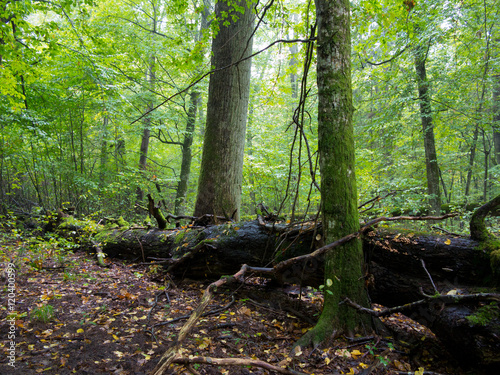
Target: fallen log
{"x": 394, "y": 264}
{"x": 392, "y": 258}
{"x": 395, "y": 259}
{"x": 467, "y": 325}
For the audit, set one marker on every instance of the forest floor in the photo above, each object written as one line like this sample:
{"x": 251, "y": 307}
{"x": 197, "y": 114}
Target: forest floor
{"x": 75, "y": 317}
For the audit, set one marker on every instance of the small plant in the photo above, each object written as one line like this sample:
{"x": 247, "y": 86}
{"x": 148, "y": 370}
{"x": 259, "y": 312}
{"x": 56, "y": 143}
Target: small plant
{"x": 43, "y": 313}
{"x": 383, "y": 360}
{"x": 68, "y": 276}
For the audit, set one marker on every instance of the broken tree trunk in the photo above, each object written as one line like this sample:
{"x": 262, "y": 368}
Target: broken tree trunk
{"x": 392, "y": 259}
{"x": 478, "y": 230}
{"x": 399, "y": 267}
{"x": 209, "y": 252}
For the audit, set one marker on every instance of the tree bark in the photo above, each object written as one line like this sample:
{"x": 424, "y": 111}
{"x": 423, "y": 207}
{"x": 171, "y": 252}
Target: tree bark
{"x": 478, "y": 230}
{"x": 219, "y": 185}
{"x": 496, "y": 119}
{"x": 194, "y": 100}
{"x": 146, "y": 132}
{"x": 431, "y": 163}
{"x": 343, "y": 265}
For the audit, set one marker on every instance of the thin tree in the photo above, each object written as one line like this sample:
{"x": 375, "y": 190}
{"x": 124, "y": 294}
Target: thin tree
{"x": 344, "y": 264}
{"x": 146, "y": 131}
{"x": 219, "y": 185}
{"x": 194, "y": 103}
{"x": 431, "y": 162}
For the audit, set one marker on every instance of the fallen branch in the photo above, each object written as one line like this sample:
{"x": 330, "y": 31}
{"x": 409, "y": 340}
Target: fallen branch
{"x": 236, "y": 362}
{"x": 99, "y": 253}
{"x": 443, "y": 298}
{"x": 322, "y": 250}
{"x": 171, "y": 353}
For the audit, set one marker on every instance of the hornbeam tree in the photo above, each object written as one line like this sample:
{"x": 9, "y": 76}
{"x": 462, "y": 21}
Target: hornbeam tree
{"x": 343, "y": 264}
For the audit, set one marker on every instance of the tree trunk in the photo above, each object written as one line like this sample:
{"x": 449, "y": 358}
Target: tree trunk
{"x": 496, "y": 120}
{"x": 478, "y": 230}
{"x": 146, "y": 132}
{"x": 431, "y": 163}
{"x": 104, "y": 152}
{"x": 219, "y": 185}
{"x": 194, "y": 100}
{"x": 343, "y": 265}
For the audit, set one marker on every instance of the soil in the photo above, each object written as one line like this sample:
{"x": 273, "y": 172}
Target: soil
{"x": 121, "y": 319}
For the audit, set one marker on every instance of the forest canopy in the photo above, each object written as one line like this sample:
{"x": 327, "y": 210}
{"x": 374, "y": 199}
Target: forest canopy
{"x": 84, "y": 84}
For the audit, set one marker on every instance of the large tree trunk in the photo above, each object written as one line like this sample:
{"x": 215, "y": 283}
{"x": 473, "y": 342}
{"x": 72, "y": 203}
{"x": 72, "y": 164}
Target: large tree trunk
{"x": 219, "y": 186}
{"x": 431, "y": 163}
{"x": 344, "y": 264}
{"x": 395, "y": 261}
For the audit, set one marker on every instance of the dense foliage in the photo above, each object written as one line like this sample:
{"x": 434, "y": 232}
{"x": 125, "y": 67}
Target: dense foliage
{"x": 75, "y": 93}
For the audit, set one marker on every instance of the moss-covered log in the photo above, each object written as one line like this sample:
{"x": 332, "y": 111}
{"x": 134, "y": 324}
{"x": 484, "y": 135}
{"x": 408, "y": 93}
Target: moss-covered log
{"x": 395, "y": 261}
{"x": 210, "y": 252}
{"x": 478, "y": 230}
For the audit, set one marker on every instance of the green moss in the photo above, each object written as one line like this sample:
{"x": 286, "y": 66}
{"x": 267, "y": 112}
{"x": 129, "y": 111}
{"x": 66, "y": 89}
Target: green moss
{"x": 492, "y": 247}
{"x": 189, "y": 237}
{"x": 105, "y": 236}
{"x": 495, "y": 262}
{"x": 484, "y": 315}
{"x": 180, "y": 236}
{"x": 122, "y": 223}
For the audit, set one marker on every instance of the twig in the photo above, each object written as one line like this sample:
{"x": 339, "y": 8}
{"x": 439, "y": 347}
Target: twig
{"x": 211, "y": 312}
{"x": 447, "y": 231}
{"x": 430, "y": 277}
{"x": 142, "y": 248}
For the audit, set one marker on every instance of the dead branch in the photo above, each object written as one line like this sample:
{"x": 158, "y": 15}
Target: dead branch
{"x": 171, "y": 353}
{"x": 100, "y": 255}
{"x": 444, "y": 298}
{"x": 429, "y": 275}
{"x": 154, "y": 210}
{"x": 285, "y": 264}
{"x": 236, "y": 362}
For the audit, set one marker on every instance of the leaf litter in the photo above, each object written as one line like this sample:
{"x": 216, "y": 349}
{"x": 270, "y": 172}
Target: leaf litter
{"x": 120, "y": 320}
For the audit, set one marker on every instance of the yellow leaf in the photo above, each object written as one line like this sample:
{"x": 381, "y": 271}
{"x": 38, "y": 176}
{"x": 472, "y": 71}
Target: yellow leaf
{"x": 297, "y": 350}
{"x": 447, "y": 242}
{"x": 356, "y": 353}
{"x": 399, "y": 365}
{"x": 363, "y": 365}
{"x": 79, "y": 330}
{"x": 420, "y": 371}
